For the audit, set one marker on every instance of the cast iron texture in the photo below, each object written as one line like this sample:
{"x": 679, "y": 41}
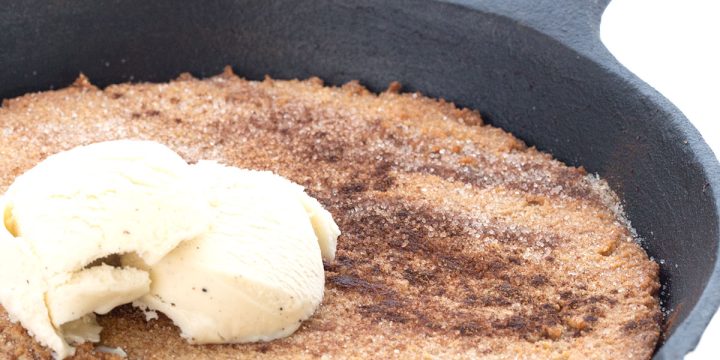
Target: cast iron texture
{"x": 535, "y": 67}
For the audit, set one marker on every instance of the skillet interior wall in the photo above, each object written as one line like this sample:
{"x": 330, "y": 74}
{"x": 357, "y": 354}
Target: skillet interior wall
{"x": 524, "y": 81}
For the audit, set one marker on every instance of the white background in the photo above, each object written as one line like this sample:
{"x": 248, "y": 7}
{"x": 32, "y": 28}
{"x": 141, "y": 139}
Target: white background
{"x": 674, "y": 45}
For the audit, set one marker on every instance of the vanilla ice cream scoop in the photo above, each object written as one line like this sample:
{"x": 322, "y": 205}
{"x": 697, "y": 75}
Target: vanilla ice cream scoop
{"x": 230, "y": 255}
{"x": 258, "y": 272}
{"x": 82, "y": 205}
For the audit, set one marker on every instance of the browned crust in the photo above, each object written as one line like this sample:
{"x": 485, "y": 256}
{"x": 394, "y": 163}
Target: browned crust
{"x": 458, "y": 240}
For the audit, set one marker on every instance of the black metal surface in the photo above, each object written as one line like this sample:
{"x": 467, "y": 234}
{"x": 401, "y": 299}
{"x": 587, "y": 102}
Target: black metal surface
{"x": 536, "y": 68}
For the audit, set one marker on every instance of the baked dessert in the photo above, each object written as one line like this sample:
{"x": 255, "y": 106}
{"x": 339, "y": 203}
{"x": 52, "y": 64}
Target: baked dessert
{"x": 458, "y": 239}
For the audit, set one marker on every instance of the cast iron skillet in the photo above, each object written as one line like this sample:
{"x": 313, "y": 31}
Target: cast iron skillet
{"x": 534, "y": 67}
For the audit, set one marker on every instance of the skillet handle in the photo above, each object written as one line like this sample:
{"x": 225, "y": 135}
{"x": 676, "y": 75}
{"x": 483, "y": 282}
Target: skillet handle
{"x": 575, "y": 23}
